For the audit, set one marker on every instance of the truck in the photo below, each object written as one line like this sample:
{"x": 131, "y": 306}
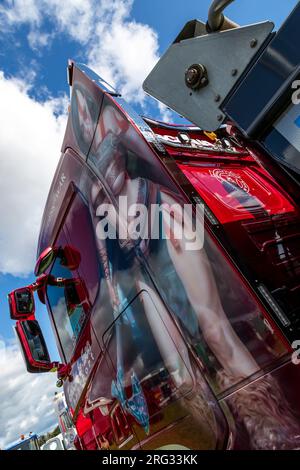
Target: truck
{"x": 169, "y": 255}
{"x": 67, "y": 430}
{"x": 25, "y": 443}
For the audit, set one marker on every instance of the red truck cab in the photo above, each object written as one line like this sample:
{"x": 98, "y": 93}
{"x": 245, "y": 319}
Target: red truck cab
{"x": 165, "y": 339}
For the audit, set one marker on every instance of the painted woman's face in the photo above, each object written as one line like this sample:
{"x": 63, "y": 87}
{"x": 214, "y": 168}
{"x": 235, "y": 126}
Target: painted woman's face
{"x": 116, "y": 173}
{"x": 85, "y": 118}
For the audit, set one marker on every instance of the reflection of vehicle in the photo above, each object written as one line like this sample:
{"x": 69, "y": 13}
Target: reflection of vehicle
{"x": 29, "y": 443}
{"x": 165, "y": 341}
{"x": 66, "y": 426}
{"x": 56, "y": 443}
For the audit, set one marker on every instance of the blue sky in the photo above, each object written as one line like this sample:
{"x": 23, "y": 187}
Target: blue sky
{"x": 122, "y": 39}
{"x": 166, "y": 17}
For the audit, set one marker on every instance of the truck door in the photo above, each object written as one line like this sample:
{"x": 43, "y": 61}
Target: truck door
{"x": 69, "y": 303}
{"x": 146, "y": 351}
{"x": 112, "y": 427}
{"x": 154, "y": 386}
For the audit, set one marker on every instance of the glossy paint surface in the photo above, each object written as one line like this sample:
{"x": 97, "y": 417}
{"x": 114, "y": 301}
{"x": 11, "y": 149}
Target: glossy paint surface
{"x": 157, "y": 336}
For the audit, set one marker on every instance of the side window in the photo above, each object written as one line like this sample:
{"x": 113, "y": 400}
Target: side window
{"x": 80, "y": 233}
{"x": 74, "y": 279}
{"x": 68, "y": 310}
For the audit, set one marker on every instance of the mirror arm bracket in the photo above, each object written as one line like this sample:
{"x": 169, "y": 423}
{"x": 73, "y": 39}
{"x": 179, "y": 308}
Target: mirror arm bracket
{"x": 63, "y": 373}
{"x": 40, "y": 282}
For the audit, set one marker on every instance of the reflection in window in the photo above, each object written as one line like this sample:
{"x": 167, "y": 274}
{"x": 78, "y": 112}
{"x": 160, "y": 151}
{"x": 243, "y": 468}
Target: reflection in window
{"x": 68, "y": 312}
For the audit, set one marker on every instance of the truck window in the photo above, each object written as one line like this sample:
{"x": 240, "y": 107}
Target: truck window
{"x": 72, "y": 297}
{"x": 68, "y": 314}
{"x": 80, "y": 234}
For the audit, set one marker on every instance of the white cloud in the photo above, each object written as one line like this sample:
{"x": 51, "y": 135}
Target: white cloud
{"x": 74, "y": 17}
{"x": 26, "y": 399}
{"x": 19, "y": 11}
{"x": 121, "y": 50}
{"x": 166, "y": 114}
{"x": 31, "y": 135}
{"x": 37, "y": 39}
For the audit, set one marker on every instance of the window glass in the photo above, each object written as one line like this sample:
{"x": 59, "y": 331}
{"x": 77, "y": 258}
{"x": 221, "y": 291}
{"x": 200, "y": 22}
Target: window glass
{"x": 67, "y": 308}
{"x": 80, "y": 234}
{"x": 74, "y": 278}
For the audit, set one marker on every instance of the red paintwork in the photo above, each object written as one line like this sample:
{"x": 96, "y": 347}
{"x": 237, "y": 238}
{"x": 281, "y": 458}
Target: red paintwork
{"x": 262, "y": 189}
{"x": 259, "y": 217}
{"x": 72, "y": 258}
{"x": 258, "y": 229}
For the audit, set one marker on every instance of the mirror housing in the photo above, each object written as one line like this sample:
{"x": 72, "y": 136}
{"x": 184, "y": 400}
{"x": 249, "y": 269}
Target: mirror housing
{"x": 70, "y": 258}
{"x": 21, "y": 304}
{"x": 33, "y": 347}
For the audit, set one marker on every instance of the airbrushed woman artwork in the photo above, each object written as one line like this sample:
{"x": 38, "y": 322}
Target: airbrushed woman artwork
{"x": 191, "y": 282}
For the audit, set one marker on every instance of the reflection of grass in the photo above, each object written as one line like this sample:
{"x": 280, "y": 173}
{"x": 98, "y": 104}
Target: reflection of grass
{"x": 176, "y": 426}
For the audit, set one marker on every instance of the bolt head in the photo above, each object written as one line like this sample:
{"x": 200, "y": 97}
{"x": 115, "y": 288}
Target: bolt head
{"x": 191, "y": 76}
{"x": 196, "y": 76}
{"x": 253, "y": 43}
